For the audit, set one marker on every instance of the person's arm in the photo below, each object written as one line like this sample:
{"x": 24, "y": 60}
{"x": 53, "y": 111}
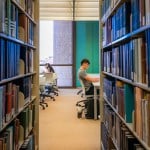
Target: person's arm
{"x": 92, "y": 79}
{"x": 87, "y": 77}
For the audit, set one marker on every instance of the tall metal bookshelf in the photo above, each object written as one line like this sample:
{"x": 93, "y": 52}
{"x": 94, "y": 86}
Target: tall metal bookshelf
{"x": 125, "y": 86}
{"x": 19, "y": 79}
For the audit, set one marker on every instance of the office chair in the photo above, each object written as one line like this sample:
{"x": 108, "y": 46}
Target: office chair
{"x": 43, "y": 104}
{"x": 85, "y": 107}
{"x": 84, "y": 95}
{"x": 80, "y": 93}
{"x": 44, "y": 91}
{"x": 51, "y": 79}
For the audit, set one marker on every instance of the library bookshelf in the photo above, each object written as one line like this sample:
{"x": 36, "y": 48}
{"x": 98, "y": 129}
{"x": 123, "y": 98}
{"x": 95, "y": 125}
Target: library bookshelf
{"x": 125, "y": 75}
{"x": 19, "y": 80}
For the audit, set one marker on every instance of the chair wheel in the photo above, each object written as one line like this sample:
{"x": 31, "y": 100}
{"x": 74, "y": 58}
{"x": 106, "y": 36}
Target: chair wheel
{"x": 79, "y": 114}
{"x": 43, "y": 107}
{"x": 53, "y": 99}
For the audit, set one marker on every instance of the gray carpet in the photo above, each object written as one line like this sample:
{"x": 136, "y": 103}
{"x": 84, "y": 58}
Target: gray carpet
{"x": 60, "y": 129}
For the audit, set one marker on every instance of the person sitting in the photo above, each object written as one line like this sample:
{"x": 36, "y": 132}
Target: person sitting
{"x": 52, "y": 77}
{"x": 85, "y": 78}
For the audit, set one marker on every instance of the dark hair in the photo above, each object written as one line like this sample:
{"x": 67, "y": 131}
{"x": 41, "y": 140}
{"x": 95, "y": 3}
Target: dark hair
{"x": 50, "y": 68}
{"x": 85, "y": 61}
{"x": 48, "y": 65}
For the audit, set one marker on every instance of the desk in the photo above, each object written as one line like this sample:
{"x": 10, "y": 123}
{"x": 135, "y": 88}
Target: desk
{"x": 96, "y": 86}
{"x": 94, "y": 75}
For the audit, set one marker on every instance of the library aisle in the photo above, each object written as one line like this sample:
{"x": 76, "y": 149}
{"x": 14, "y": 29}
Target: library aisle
{"x": 60, "y": 129}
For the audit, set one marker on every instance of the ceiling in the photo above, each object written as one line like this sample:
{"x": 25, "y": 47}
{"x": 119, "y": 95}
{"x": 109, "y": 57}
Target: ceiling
{"x": 69, "y": 9}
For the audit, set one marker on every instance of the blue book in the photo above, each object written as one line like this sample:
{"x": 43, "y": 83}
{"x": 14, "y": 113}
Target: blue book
{"x": 135, "y": 14}
{"x": 121, "y": 20}
{"x": 120, "y": 61}
{"x": 124, "y": 60}
{"x": 1, "y": 62}
{"x": 126, "y": 20}
{"x": 117, "y": 24}
{"x": 8, "y": 59}
{"x": 127, "y": 57}
{"x": 2, "y": 59}
{"x": 12, "y": 59}
{"x": 131, "y": 57}
{"x": 17, "y": 58}
{"x": 148, "y": 54}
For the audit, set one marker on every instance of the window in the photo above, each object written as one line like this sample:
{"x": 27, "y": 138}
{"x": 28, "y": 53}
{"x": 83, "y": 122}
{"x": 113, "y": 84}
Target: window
{"x": 56, "y": 47}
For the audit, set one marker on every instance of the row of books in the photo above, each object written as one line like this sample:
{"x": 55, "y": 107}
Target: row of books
{"x": 130, "y": 60}
{"x": 13, "y": 58}
{"x": 25, "y": 29}
{"x": 9, "y": 58}
{"x": 118, "y": 25}
{"x": 107, "y": 142}
{"x": 132, "y": 104}
{"x": 121, "y": 97}
{"x": 14, "y": 23}
{"x": 26, "y": 57}
{"x": 25, "y": 85}
{"x": 12, "y": 138}
{"x": 17, "y": 107}
{"x": 29, "y": 143}
{"x": 147, "y": 55}
{"x": 140, "y": 11}
{"x": 119, "y": 134}
{"x": 107, "y": 7}
{"x": 126, "y": 80}
{"x": 142, "y": 114}
{"x": 130, "y": 16}
{"x": 27, "y": 5}
{"x": 13, "y": 97}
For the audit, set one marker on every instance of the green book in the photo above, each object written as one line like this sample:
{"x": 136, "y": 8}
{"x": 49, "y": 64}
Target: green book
{"x": 128, "y": 102}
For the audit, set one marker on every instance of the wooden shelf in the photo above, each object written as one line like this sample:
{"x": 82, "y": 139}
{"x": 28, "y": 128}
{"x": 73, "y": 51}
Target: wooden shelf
{"x": 16, "y": 77}
{"x": 2, "y": 35}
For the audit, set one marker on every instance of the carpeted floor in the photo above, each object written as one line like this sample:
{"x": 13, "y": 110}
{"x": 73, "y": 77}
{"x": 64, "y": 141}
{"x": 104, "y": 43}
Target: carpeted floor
{"x": 60, "y": 129}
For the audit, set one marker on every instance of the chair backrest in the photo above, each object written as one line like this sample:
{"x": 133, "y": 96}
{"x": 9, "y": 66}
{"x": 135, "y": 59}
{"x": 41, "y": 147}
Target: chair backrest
{"x": 82, "y": 86}
{"x": 49, "y": 77}
{"x": 83, "y": 90}
{"x": 42, "y": 80}
{"x": 55, "y": 76}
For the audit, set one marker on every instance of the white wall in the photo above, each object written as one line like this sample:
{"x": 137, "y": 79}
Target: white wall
{"x": 46, "y": 40}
